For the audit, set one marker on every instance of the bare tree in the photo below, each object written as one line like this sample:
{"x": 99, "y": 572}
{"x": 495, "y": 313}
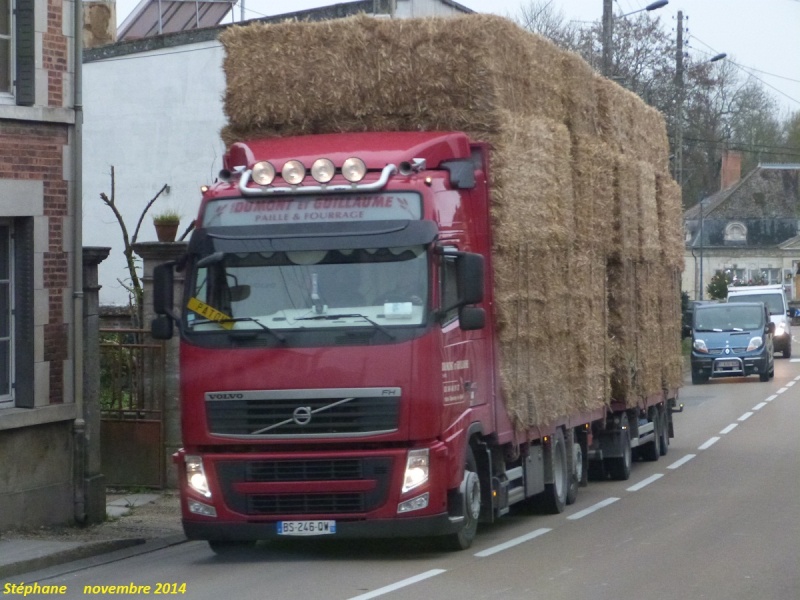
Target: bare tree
{"x": 134, "y": 289}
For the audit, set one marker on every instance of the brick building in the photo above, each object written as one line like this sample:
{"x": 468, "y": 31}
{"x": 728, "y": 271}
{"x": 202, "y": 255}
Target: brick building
{"x": 41, "y": 418}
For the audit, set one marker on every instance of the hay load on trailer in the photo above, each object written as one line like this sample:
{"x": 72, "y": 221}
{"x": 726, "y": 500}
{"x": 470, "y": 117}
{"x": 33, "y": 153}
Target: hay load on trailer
{"x": 587, "y": 248}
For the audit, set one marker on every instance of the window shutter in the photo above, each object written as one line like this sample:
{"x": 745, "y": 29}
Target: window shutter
{"x": 23, "y": 314}
{"x": 25, "y": 40}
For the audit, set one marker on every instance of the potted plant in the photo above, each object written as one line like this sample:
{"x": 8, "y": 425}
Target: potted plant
{"x": 166, "y": 224}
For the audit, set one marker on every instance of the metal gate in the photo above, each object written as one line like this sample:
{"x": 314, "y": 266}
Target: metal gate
{"x": 132, "y": 407}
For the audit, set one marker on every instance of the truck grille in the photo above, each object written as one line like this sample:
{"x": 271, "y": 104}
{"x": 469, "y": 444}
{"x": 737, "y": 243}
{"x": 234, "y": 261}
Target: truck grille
{"x": 375, "y": 470}
{"x": 303, "y": 413}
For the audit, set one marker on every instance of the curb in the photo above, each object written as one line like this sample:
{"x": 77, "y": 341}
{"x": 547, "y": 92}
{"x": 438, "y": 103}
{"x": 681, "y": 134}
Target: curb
{"x": 89, "y": 555}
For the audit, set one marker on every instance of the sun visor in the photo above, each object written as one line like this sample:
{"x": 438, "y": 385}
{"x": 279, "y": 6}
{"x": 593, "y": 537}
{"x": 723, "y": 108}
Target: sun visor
{"x": 314, "y": 236}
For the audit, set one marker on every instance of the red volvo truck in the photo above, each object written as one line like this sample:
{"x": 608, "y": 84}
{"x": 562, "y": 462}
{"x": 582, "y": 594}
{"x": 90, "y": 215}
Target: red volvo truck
{"x": 338, "y": 352}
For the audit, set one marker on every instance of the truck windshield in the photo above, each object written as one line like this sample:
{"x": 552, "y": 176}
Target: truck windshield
{"x": 301, "y": 290}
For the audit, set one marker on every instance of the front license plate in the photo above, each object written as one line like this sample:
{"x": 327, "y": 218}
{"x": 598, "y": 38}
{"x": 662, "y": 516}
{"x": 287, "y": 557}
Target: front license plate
{"x": 306, "y": 527}
{"x": 727, "y": 364}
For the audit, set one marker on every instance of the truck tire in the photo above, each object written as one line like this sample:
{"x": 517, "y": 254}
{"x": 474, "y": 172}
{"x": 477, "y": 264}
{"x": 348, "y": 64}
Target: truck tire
{"x": 619, "y": 467}
{"x": 576, "y": 471}
{"x": 554, "y": 497}
{"x": 471, "y": 496}
{"x": 663, "y": 416}
{"x": 652, "y": 450}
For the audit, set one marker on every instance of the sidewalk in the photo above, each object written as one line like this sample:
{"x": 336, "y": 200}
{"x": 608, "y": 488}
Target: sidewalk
{"x": 134, "y": 520}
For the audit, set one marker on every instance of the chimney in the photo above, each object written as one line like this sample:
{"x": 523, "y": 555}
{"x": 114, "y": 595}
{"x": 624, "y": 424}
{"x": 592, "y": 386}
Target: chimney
{"x": 731, "y": 170}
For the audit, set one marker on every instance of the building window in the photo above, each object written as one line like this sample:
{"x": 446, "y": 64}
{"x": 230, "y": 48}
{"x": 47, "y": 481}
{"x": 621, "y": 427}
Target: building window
{"x": 736, "y": 233}
{"x": 6, "y": 316}
{"x": 6, "y": 47}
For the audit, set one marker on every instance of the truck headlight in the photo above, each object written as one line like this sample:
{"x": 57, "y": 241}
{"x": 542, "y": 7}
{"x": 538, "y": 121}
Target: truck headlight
{"x": 293, "y": 172}
{"x": 263, "y": 173}
{"x": 780, "y": 328}
{"x": 354, "y": 169}
{"x": 700, "y": 346}
{"x": 417, "y": 468}
{"x": 755, "y": 343}
{"x": 196, "y": 475}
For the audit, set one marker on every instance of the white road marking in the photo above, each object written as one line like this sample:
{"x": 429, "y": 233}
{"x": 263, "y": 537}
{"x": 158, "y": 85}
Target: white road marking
{"x": 729, "y": 428}
{"x": 770, "y": 398}
{"x": 708, "y": 443}
{"x": 595, "y": 507}
{"x": 681, "y": 462}
{"x": 746, "y": 416}
{"x": 399, "y": 584}
{"x": 645, "y": 482}
{"x": 780, "y": 391}
{"x": 759, "y": 406}
{"x": 790, "y": 384}
{"x": 511, "y": 543}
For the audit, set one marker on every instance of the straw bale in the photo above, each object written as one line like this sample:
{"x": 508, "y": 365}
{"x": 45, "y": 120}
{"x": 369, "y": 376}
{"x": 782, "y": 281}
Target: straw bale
{"x": 648, "y": 218}
{"x": 670, "y": 220}
{"x": 629, "y": 126}
{"x": 580, "y": 98}
{"x": 364, "y": 73}
{"x": 670, "y": 310}
{"x": 593, "y": 183}
{"x": 622, "y": 347}
{"x": 648, "y": 374}
{"x": 625, "y": 241}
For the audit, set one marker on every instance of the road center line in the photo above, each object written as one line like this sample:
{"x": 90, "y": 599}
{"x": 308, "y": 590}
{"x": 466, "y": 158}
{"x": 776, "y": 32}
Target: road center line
{"x": 645, "y": 482}
{"x": 511, "y": 543}
{"x": 759, "y": 406}
{"x": 770, "y": 398}
{"x": 746, "y": 416}
{"x": 399, "y": 584}
{"x": 729, "y": 428}
{"x": 682, "y": 461}
{"x": 595, "y": 507}
{"x": 790, "y": 384}
{"x": 780, "y": 391}
{"x": 708, "y": 443}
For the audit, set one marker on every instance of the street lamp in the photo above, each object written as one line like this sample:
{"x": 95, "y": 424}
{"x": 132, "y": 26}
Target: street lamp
{"x": 608, "y": 28}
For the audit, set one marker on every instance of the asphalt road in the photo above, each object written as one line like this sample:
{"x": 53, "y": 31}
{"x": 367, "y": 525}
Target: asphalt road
{"x": 718, "y": 518}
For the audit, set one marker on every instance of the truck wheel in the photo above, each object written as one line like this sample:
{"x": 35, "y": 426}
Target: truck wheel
{"x": 554, "y": 497}
{"x": 471, "y": 495}
{"x": 664, "y": 431}
{"x": 576, "y": 472}
{"x": 652, "y": 450}
{"x": 619, "y": 468}
{"x": 787, "y": 352}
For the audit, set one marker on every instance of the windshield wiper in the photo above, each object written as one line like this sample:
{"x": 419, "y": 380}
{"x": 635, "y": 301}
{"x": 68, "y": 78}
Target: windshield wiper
{"x": 378, "y": 326}
{"x": 280, "y": 337}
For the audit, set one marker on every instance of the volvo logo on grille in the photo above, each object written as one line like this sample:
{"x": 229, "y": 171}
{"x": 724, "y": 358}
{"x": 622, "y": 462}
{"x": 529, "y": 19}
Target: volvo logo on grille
{"x": 302, "y": 415}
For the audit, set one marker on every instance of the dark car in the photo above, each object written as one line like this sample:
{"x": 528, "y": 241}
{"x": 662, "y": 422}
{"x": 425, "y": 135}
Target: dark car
{"x": 732, "y": 340}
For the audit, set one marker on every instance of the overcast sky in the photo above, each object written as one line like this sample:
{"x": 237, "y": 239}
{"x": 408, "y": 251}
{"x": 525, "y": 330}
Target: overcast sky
{"x": 762, "y": 37}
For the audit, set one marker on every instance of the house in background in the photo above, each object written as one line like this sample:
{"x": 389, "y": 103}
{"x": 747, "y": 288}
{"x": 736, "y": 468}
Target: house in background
{"x": 42, "y": 427}
{"x": 749, "y": 229}
{"x": 153, "y": 111}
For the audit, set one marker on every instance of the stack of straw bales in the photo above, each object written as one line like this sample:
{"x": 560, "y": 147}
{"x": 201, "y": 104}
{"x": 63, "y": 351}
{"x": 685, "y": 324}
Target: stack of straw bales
{"x": 588, "y": 248}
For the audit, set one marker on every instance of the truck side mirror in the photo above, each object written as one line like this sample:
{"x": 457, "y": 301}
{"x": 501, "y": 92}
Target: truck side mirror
{"x": 469, "y": 273}
{"x": 163, "y": 281}
{"x": 161, "y": 327}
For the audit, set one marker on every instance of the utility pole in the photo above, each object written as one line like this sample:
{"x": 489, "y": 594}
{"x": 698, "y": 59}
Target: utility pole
{"x": 679, "y": 88}
{"x": 608, "y": 26}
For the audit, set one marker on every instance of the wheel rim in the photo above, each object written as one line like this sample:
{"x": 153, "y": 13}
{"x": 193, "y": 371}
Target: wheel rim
{"x": 472, "y": 495}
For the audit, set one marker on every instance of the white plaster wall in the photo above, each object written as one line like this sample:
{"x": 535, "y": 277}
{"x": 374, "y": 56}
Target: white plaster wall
{"x": 155, "y": 117}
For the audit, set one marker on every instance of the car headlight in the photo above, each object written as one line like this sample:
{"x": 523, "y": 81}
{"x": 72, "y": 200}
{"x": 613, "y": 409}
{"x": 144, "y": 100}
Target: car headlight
{"x": 700, "y": 346}
{"x": 780, "y": 328}
{"x": 417, "y": 469}
{"x": 755, "y": 343}
{"x": 196, "y": 475}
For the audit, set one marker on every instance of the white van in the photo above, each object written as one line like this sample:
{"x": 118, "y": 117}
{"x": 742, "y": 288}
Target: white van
{"x": 775, "y": 300}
